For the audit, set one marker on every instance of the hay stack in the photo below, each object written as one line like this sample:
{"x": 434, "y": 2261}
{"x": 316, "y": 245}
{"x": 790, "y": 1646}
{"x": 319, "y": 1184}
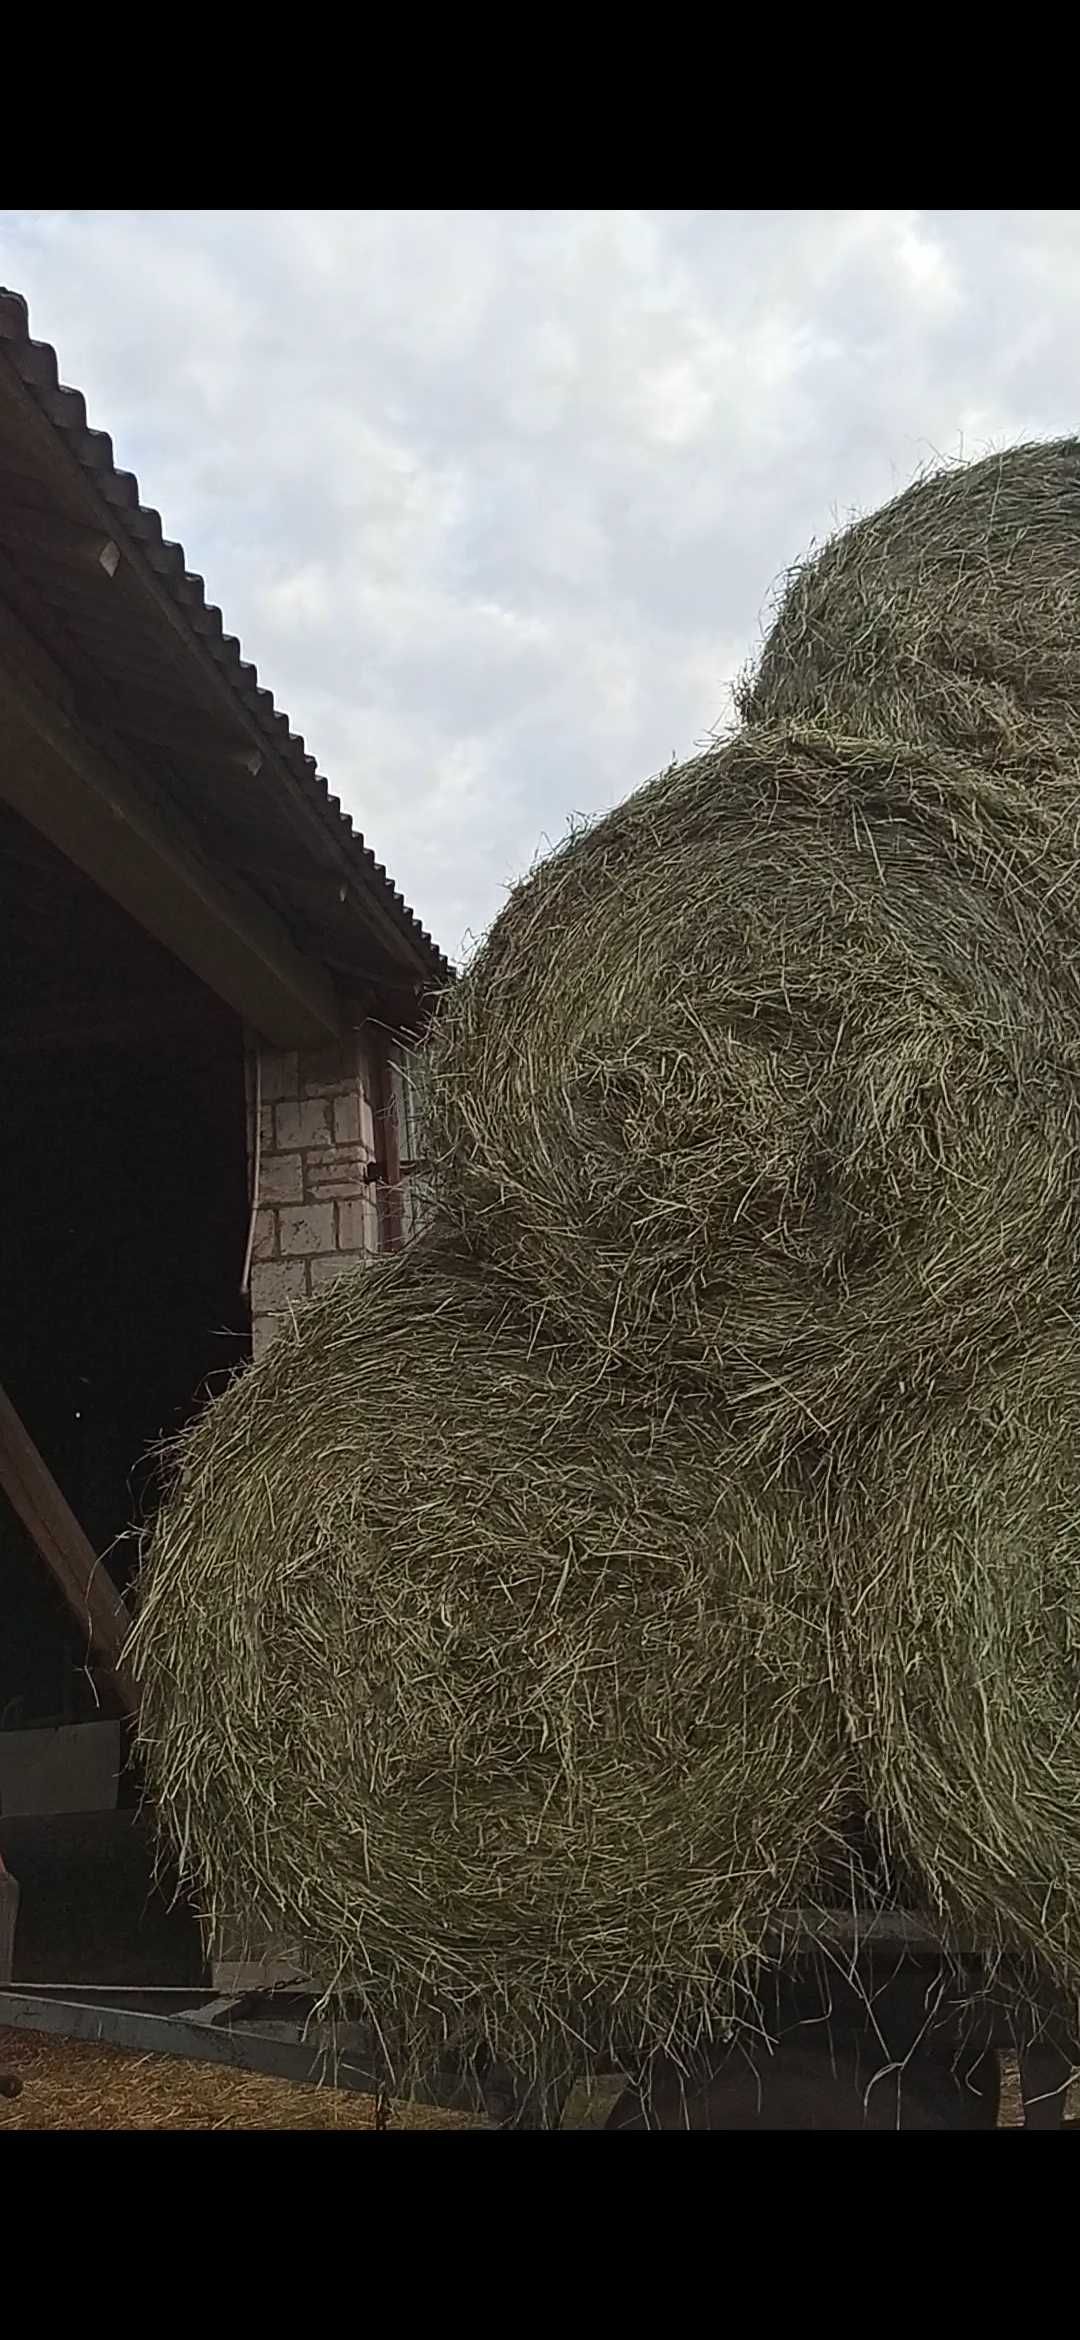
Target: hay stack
{"x": 959, "y": 1630}
{"x": 769, "y": 1081}
{"x": 522, "y": 1628}
{"x": 492, "y": 1689}
{"x": 949, "y": 617}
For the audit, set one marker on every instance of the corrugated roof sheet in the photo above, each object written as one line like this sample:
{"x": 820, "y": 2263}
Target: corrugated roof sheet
{"x": 37, "y": 366}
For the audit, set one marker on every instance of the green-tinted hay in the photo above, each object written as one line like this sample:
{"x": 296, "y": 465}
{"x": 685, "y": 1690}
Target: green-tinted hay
{"x": 769, "y": 1082}
{"x": 949, "y": 624}
{"x": 959, "y": 1632}
{"x": 521, "y": 1631}
{"x": 951, "y": 616}
{"x": 492, "y": 1690}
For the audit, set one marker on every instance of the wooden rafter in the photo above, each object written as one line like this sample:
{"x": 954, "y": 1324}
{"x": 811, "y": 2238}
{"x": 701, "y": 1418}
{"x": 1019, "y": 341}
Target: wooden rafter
{"x": 83, "y": 798}
{"x": 66, "y": 1551}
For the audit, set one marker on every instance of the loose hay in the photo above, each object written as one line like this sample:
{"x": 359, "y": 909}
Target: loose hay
{"x": 488, "y": 1685}
{"x": 80, "y": 2084}
{"x": 769, "y": 1082}
{"x": 957, "y": 1545}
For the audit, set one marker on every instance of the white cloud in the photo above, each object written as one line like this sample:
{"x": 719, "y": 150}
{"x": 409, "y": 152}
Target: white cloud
{"x": 495, "y": 499}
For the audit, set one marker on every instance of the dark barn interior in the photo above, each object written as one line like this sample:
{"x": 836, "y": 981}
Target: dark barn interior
{"x": 123, "y": 1229}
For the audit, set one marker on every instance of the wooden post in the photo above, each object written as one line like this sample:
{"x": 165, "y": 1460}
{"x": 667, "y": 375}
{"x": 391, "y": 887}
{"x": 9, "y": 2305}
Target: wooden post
{"x": 9, "y": 1913}
{"x": 67, "y": 1553}
{"x": 387, "y": 1145}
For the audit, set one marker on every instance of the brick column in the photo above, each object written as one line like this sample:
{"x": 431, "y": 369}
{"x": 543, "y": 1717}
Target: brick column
{"x": 317, "y": 1216}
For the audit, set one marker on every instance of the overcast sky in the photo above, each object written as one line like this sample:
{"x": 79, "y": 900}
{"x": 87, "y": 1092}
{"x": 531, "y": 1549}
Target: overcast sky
{"x": 496, "y": 500}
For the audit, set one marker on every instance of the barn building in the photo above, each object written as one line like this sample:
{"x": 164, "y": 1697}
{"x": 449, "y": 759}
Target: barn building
{"x": 208, "y": 990}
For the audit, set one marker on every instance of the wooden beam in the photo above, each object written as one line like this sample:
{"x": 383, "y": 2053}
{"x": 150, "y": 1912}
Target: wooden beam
{"x": 67, "y": 1553}
{"x": 138, "y": 852}
{"x": 387, "y": 1145}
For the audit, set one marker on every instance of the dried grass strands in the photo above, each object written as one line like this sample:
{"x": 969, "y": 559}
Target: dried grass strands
{"x": 956, "y": 1540}
{"x": 949, "y": 618}
{"x": 493, "y": 1690}
{"x": 768, "y": 1082}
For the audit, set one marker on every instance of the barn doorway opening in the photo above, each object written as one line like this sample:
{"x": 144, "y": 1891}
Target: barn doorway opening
{"x": 123, "y": 1227}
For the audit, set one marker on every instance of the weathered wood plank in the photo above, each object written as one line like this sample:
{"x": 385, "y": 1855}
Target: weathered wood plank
{"x": 67, "y": 1552}
{"x": 75, "y": 794}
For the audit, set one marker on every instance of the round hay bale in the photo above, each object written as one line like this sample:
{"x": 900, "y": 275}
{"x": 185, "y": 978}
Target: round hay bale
{"x": 959, "y": 1627}
{"x": 495, "y": 1696}
{"x": 951, "y": 616}
{"x": 769, "y": 1080}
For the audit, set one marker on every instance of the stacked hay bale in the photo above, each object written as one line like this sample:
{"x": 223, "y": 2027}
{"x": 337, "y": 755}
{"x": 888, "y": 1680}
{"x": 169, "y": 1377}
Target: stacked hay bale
{"x": 952, "y": 616}
{"x": 523, "y": 1629}
{"x": 958, "y": 1527}
{"x": 767, "y": 1085}
{"x": 477, "y": 1677}
{"x": 951, "y": 621}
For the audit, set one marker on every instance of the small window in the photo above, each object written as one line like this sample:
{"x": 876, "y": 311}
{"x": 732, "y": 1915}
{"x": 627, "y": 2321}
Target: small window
{"x": 406, "y": 1104}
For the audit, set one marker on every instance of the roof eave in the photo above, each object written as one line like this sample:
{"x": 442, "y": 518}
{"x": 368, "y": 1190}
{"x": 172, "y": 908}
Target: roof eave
{"x": 66, "y": 443}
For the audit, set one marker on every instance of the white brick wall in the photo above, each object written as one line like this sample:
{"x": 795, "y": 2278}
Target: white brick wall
{"x": 317, "y": 1215}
